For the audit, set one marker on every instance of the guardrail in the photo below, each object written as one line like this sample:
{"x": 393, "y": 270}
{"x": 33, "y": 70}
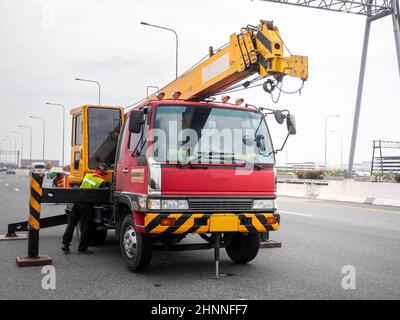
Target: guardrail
{"x": 347, "y": 190}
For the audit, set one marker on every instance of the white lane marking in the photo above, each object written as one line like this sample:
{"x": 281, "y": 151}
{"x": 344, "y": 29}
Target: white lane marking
{"x": 296, "y": 213}
{"x": 16, "y": 189}
{"x": 6, "y": 184}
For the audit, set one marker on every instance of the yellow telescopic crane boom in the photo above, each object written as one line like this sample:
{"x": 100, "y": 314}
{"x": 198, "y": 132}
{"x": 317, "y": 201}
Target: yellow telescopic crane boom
{"x": 254, "y": 50}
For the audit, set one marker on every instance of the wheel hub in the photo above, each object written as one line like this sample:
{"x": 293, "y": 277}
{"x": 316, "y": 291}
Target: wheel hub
{"x": 130, "y": 241}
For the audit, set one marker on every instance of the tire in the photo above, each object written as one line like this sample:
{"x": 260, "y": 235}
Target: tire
{"x": 136, "y": 247}
{"x": 117, "y": 230}
{"x": 243, "y": 248}
{"x": 97, "y": 237}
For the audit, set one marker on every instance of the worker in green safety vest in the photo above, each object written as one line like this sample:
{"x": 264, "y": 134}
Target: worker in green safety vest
{"x": 84, "y": 212}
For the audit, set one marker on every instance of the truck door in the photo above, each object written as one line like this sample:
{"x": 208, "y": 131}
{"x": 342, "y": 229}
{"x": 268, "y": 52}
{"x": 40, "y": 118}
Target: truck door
{"x": 132, "y": 165}
{"x": 121, "y": 159}
{"x": 77, "y": 148}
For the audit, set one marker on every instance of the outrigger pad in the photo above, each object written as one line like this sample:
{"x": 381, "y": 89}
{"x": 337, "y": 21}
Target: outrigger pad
{"x": 265, "y": 244}
{"x": 9, "y": 237}
{"x": 41, "y": 260}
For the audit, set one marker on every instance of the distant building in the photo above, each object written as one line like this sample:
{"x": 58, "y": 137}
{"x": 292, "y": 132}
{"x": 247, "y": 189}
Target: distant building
{"x": 364, "y": 166}
{"x": 298, "y": 166}
{"x": 389, "y": 164}
{"x": 50, "y": 163}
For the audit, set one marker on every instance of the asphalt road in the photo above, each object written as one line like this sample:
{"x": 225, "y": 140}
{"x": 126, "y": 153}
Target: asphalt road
{"x": 318, "y": 239}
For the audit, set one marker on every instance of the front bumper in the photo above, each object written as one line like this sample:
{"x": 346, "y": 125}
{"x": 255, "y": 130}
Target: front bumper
{"x": 211, "y": 222}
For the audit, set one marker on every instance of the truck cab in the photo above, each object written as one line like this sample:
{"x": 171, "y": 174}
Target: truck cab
{"x": 95, "y": 132}
{"x": 194, "y": 167}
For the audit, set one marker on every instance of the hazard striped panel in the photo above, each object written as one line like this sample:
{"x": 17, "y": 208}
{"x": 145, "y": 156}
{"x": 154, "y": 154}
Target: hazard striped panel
{"x": 204, "y": 223}
{"x": 35, "y": 201}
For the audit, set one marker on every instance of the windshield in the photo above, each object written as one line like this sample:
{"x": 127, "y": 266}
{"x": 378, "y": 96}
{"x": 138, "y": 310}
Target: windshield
{"x": 104, "y": 127}
{"x": 39, "y": 166}
{"x": 198, "y": 134}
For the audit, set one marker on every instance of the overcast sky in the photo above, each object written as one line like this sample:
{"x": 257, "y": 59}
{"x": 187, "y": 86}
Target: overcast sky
{"x": 44, "y": 45}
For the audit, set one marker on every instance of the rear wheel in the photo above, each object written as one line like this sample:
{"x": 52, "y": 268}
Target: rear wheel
{"x": 243, "y": 248}
{"x": 136, "y": 247}
{"x": 97, "y": 237}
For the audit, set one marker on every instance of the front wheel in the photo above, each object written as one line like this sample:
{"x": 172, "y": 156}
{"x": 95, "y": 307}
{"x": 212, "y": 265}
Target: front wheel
{"x": 243, "y": 248}
{"x": 136, "y": 247}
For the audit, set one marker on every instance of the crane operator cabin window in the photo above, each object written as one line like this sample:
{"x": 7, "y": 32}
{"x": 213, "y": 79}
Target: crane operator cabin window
{"x": 104, "y": 125}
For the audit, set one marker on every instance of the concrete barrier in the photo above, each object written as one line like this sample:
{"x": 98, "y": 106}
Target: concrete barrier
{"x": 347, "y": 190}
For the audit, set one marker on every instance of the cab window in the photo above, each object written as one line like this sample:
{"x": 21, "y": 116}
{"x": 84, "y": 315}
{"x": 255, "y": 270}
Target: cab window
{"x": 77, "y": 134}
{"x": 104, "y": 125}
{"x": 138, "y": 141}
{"x": 121, "y": 144}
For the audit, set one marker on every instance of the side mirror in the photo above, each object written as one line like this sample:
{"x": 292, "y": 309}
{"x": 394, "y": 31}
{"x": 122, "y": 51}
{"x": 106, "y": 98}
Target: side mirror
{"x": 260, "y": 141}
{"x": 279, "y": 116}
{"x": 135, "y": 121}
{"x": 291, "y": 124}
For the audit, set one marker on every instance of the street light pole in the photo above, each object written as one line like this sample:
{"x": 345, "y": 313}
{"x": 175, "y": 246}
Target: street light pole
{"x": 15, "y": 146}
{"x": 341, "y": 147}
{"x": 63, "y": 128}
{"x": 6, "y": 152}
{"x": 176, "y": 43}
{"x": 30, "y": 140}
{"x": 22, "y": 144}
{"x": 94, "y": 81}
{"x": 44, "y": 125}
{"x": 326, "y": 135}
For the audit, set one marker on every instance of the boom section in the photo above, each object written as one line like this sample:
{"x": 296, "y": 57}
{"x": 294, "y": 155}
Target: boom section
{"x": 256, "y": 50}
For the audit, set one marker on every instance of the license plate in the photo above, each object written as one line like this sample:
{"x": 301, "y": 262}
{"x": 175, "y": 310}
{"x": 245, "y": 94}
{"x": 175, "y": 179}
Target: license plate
{"x": 224, "y": 223}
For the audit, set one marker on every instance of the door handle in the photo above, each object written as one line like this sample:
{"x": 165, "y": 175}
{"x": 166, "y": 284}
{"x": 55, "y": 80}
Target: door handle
{"x": 125, "y": 170}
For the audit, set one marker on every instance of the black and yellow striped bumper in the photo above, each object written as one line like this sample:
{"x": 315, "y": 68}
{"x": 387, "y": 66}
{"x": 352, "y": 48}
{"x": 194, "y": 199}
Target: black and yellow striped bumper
{"x": 214, "y": 222}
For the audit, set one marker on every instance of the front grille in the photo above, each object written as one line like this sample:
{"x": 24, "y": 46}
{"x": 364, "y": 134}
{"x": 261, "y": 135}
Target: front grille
{"x": 220, "y": 204}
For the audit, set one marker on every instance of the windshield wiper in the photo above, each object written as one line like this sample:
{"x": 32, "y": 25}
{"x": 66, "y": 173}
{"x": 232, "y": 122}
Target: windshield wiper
{"x": 190, "y": 165}
{"x": 210, "y": 154}
{"x": 223, "y": 156}
{"x": 257, "y": 166}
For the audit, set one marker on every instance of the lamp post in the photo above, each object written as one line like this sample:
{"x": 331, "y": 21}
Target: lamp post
{"x": 30, "y": 140}
{"x": 6, "y": 157}
{"x": 14, "y": 150}
{"x": 326, "y": 134}
{"x": 44, "y": 125}
{"x": 341, "y": 147}
{"x": 176, "y": 43}
{"x": 22, "y": 144}
{"x": 63, "y": 127}
{"x": 94, "y": 81}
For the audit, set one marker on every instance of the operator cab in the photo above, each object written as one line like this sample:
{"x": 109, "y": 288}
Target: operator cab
{"x": 100, "y": 128}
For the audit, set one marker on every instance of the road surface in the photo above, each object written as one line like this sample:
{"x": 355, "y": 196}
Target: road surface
{"x": 319, "y": 239}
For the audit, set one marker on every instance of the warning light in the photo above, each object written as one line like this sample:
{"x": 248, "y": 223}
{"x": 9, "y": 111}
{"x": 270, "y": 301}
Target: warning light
{"x": 176, "y": 94}
{"x": 271, "y": 220}
{"x": 160, "y": 96}
{"x": 167, "y": 222}
{"x": 239, "y": 101}
{"x": 225, "y": 99}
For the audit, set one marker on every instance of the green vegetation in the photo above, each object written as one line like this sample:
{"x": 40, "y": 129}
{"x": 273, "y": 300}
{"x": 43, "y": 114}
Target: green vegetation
{"x": 310, "y": 174}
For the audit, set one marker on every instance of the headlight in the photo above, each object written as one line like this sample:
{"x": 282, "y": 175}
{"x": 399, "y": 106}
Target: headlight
{"x": 154, "y": 204}
{"x": 263, "y": 204}
{"x": 174, "y": 204}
